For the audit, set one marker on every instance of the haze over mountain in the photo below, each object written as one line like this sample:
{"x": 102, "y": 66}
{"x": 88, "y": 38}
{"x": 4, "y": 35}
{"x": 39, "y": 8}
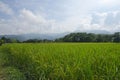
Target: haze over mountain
{"x": 23, "y": 37}
{"x": 46, "y": 17}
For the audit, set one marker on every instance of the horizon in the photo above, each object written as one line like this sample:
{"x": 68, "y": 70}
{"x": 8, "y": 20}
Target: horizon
{"x": 52, "y": 34}
{"x": 61, "y": 16}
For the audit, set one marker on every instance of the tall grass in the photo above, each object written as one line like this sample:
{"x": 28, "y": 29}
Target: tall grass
{"x": 65, "y": 61}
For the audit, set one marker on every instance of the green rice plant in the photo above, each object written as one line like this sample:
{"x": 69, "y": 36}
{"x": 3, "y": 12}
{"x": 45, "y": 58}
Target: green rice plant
{"x": 65, "y": 61}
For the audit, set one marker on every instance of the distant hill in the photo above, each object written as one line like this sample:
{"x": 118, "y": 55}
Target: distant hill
{"x": 51, "y": 36}
{"x": 95, "y": 31}
{"x": 24, "y": 37}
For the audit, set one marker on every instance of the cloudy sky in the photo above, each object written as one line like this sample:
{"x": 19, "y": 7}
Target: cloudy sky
{"x": 58, "y": 16}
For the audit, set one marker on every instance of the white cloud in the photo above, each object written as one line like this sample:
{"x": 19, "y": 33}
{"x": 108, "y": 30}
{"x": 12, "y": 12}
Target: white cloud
{"x": 98, "y": 18}
{"x": 5, "y": 8}
{"x": 30, "y": 22}
{"x": 29, "y": 16}
{"x": 109, "y": 2}
{"x": 106, "y": 21}
{"x": 35, "y": 23}
{"x": 26, "y": 22}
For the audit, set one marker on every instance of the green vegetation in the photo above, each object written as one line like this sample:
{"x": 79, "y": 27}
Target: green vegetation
{"x": 90, "y": 37}
{"x": 72, "y": 37}
{"x": 61, "y": 61}
{"x": 8, "y": 40}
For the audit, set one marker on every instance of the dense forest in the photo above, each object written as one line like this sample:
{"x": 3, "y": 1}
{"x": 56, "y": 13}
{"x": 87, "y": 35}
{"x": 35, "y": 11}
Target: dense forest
{"x": 72, "y": 37}
{"x": 90, "y": 37}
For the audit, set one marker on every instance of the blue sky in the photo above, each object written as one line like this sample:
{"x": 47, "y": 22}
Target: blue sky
{"x": 58, "y": 16}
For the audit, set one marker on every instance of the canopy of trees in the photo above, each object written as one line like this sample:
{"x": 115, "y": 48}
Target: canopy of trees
{"x": 72, "y": 37}
{"x": 36, "y": 41}
{"x": 8, "y": 40}
{"x": 90, "y": 37}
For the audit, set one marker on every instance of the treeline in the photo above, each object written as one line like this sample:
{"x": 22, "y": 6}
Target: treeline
{"x": 4, "y": 40}
{"x": 8, "y": 40}
{"x": 72, "y": 37}
{"x": 90, "y": 37}
{"x": 37, "y": 41}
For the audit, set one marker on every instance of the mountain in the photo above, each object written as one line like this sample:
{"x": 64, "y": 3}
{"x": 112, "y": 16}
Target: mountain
{"x": 24, "y": 37}
{"x": 95, "y": 31}
{"x": 51, "y": 36}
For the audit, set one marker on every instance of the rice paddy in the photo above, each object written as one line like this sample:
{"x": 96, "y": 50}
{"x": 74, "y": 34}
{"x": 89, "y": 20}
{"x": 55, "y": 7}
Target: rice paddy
{"x": 63, "y": 61}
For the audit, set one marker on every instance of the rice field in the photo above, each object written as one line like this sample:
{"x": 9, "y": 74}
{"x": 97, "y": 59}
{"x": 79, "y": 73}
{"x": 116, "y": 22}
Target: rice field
{"x": 63, "y": 61}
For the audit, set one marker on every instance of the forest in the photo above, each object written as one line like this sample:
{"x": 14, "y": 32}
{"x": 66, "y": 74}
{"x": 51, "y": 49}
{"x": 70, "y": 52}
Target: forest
{"x": 72, "y": 37}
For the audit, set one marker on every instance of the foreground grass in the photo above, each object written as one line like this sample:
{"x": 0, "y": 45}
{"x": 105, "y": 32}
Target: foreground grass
{"x": 8, "y": 72}
{"x": 63, "y": 61}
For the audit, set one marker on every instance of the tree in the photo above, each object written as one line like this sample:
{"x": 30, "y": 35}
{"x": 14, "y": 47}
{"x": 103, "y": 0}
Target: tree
{"x": 1, "y": 42}
{"x": 116, "y": 37}
{"x": 89, "y": 37}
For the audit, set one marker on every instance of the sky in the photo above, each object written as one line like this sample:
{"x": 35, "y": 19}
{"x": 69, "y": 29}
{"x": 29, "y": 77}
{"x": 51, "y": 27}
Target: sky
{"x": 58, "y": 16}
